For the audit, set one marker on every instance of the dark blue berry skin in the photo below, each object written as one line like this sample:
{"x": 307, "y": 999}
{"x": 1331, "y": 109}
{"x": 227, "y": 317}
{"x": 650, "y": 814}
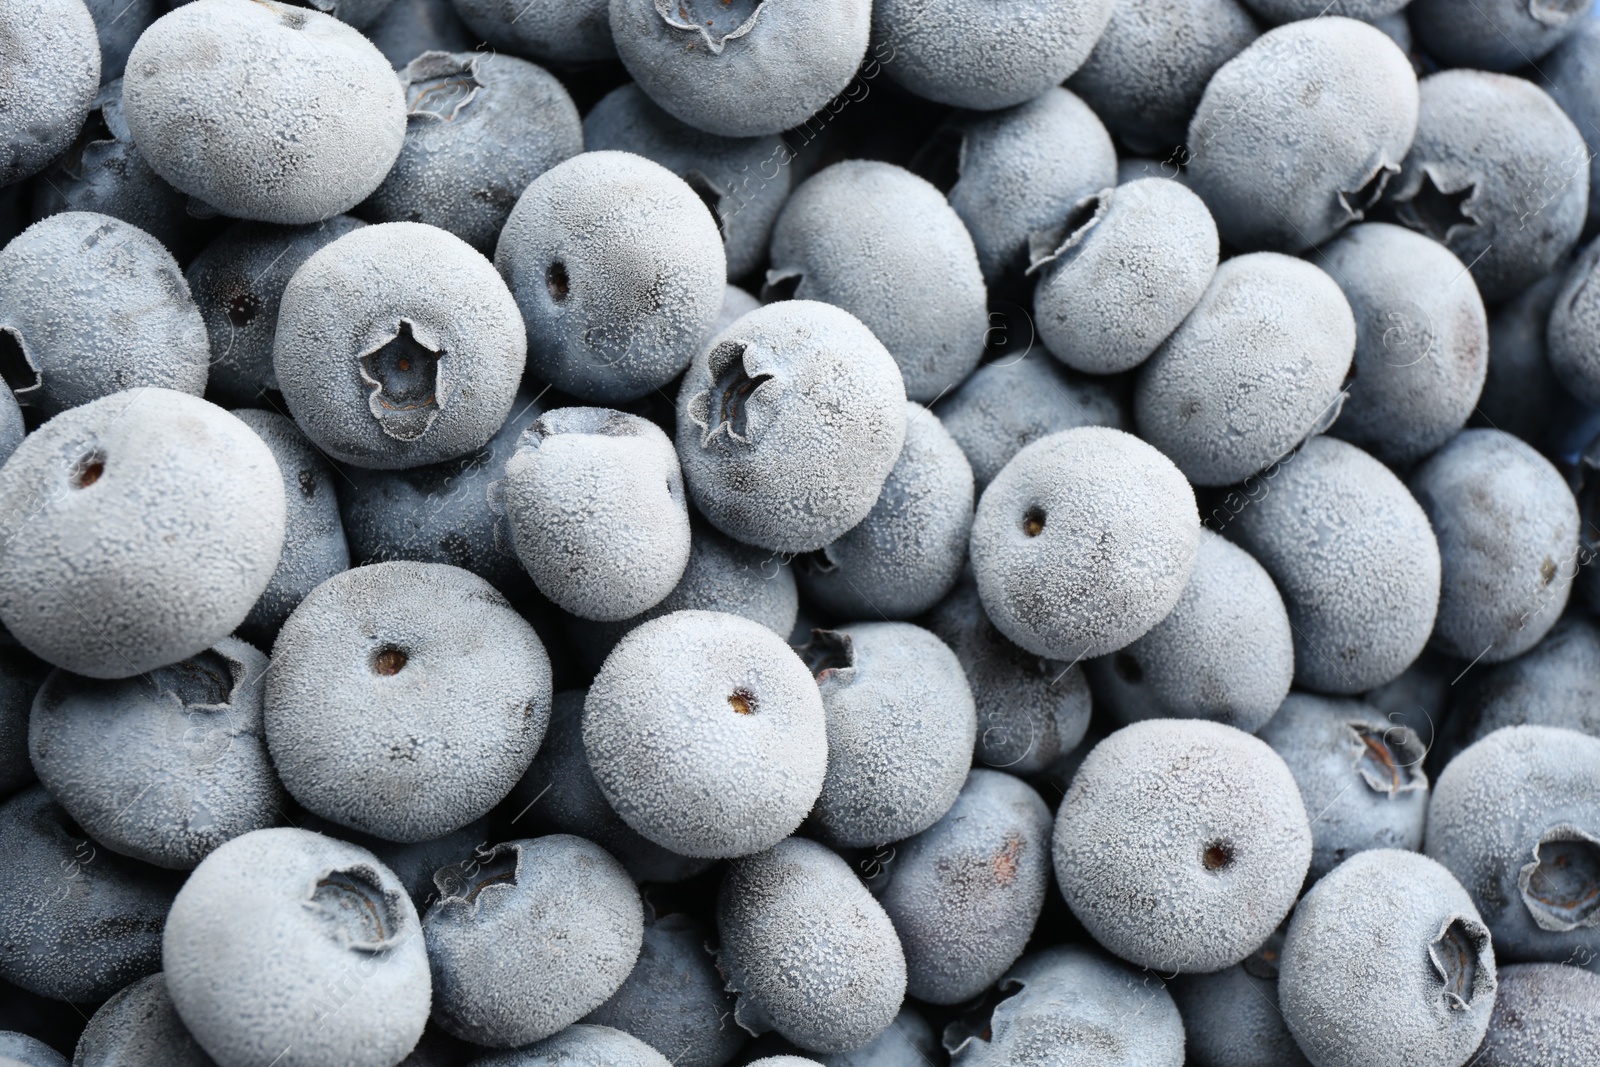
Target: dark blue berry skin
{"x": 565, "y": 33}
{"x": 408, "y": 28}
{"x": 674, "y": 1000}
{"x": 118, "y": 24}
{"x": 21, "y": 674}
{"x": 1231, "y": 1017}
{"x": 80, "y": 921}
{"x": 1493, "y": 34}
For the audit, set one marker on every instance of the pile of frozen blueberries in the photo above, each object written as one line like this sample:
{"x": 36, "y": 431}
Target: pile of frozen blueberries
{"x": 848, "y": 533}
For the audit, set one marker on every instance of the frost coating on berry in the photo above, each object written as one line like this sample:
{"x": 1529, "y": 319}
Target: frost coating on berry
{"x": 907, "y": 553}
{"x": 1007, "y": 405}
{"x": 1031, "y": 710}
{"x": 561, "y": 32}
{"x": 327, "y": 920}
{"x": 597, "y": 512}
{"x": 20, "y": 1050}
{"x": 886, "y": 246}
{"x": 964, "y": 894}
{"x": 138, "y": 1027}
{"x": 1494, "y": 34}
{"x": 1387, "y": 963}
{"x": 192, "y": 96}
{"x": 1574, "y": 322}
{"x": 1181, "y": 844}
{"x": 1507, "y": 528}
{"x": 1079, "y": 1008}
{"x": 1147, "y": 71}
{"x": 1498, "y": 174}
{"x": 52, "y": 72}
{"x": 908, "y": 1042}
{"x": 1543, "y": 1013}
{"x": 408, "y": 28}
{"x": 1225, "y": 652}
{"x": 90, "y": 306}
{"x": 418, "y": 683}
{"x": 707, "y": 734}
{"x": 1298, "y": 135}
{"x": 1041, "y": 535}
{"x": 528, "y": 937}
{"x": 580, "y": 1045}
{"x": 730, "y": 174}
{"x": 1231, "y": 1017}
{"x": 1556, "y": 683}
{"x": 1022, "y": 169}
{"x": 154, "y": 476}
{"x": 163, "y": 767}
{"x": 397, "y": 346}
{"x": 1359, "y": 771}
{"x": 807, "y": 949}
{"x": 1516, "y": 817}
{"x": 741, "y": 70}
{"x": 974, "y": 55}
{"x": 81, "y": 921}
{"x": 1120, "y": 272}
{"x": 1353, "y": 555}
{"x": 1255, "y": 367}
{"x": 618, "y": 271}
{"x": 901, "y": 726}
{"x": 479, "y": 128}
{"x": 789, "y": 422}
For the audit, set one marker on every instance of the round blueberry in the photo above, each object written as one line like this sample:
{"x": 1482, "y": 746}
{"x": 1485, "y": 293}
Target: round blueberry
{"x": 139, "y": 1027}
{"x": 53, "y": 69}
{"x": 1494, "y": 34}
{"x": 563, "y": 32}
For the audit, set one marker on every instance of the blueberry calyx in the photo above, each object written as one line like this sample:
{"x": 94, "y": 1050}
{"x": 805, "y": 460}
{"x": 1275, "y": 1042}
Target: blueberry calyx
{"x": 715, "y": 21}
{"x": 356, "y": 907}
{"x": 829, "y": 653}
{"x": 1555, "y": 12}
{"x": 439, "y": 86}
{"x": 17, "y": 365}
{"x": 493, "y": 869}
{"x": 1058, "y": 242}
{"x": 724, "y": 407}
{"x": 1457, "y": 954}
{"x": 1389, "y": 760}
{"x": 1357, "y": 202}
{"x": 781, "y": 285}
{"x": 1437, "y": 211}
{"x": 404, "y": 373}
{"x": 1561, "y": 886}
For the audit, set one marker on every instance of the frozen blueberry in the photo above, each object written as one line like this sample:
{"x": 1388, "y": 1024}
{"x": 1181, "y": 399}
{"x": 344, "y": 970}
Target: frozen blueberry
{"x": 789, "y": 422}
{"x": 745, "y": 68}
{"x": 90, "y": 306}
{"x": 1387, "y": 964}
{"x": 618, "y": 270}
{"x": 314, "y": 547}
{"x": 20, "y": 1050}
{"x": 1354, "y": 558}
{"x": 559, "y": 795}
{"x": 238, "y": 281}
{"x": 330, "y": 966}
{"x": 1120, "y": 271}
{"x": 1147, "y": 71}
{"x": 901, "y": 727}
{"x": 1181, "y": 844}
{"x": 722, "y": 575}
{"x": 581, "y": 1045}
{"x": 1019, "y": 170}
{"x": 163, "y": 767}
{"x": 1571, "y": 75}
{"x": 1041, "y": 535}
{"x": 674, "y": 1000}
{"x": 1573, "y": 325}
{"x": 1013, "y": 402}
{"x": 1516, "y": 817}
{"x": 1224, "y": 653}
{"x": 408, "y": 28}
{"x": 528, "y": 937}
{"x": 597, "y": 513}
{"x": 405, "y": 699}
{"x": 104, "y": 172}
{"x": 707, "y": 734}
{"x": 1299, "y": 134}
{"x": 139, "y": 1027}
{"x": 739, "y": 178}
{"x": 807, "y": 950}
{"x": 1357, "y": 770}
{"x": 118, "y": 24}
{"x": 1074, "y": 1006}
{"x": 1031, "y": 710}
{"x": 971, "y": 54}
{"x": 1507, "y": 528}
{"x": 884, "y": 245}
{"x": 80, "y": 922}
{"x": 1422, "y": 344}
{"x": 964, "y": 894}
{"x": 1231, "y": 1017}
{"x": 564, "y": 32}
{"x": 1494, "y": 34}
{"x": 1497, "y": 174}
{"x": 194, "y": 94}
{"x": 907, "y": 553}
{"x": 1254, "y": 368}
{"x": 53, "y": 70}
{"x": 398, "y": 346}
{"x": 442, "y": 513}
{"x": 21, "y": 674}
{"x": 1556, "y": 683}
{"x": 479, "y": 128}
{"x": 1544, "y": 1013}
{"x": 162, "y": 478}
